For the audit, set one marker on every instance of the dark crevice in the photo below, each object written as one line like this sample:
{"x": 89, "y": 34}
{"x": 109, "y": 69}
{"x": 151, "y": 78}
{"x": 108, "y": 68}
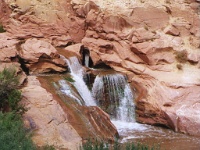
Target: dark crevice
{"x": 84, "y": 54}
{"x": 65, "y": 45}
{"x": 102, "y": 65}
{"x": 161, "y": 125}
{"x": 23, "y": 65}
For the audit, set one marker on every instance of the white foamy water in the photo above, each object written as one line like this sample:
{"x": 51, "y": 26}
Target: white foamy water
{"x": 87, "y": 58}
{"x": 77, "y": 73}
{"x": 125, "y": 127}
{"x": 115, "y": 89}
{"x": 126, "y": 109}
{"x": 66, "y": 89}
{"x": 118, "y": 92}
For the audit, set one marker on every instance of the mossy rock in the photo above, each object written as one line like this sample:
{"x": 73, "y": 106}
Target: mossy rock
{"x": 2, "y": 29}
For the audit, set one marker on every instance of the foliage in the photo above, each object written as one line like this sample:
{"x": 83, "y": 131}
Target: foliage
{"x": 69, "y": 79}
{"x": 2, "y": 29}
{"x": 181, "y": 56}
{"x": 12, "y": 134}
{"x": 47, "y": 147}
{"x": 10, "y": 95}
{"x": 89, "y": 145}
{"x": 139, "y": 146}
{"x": 116, "y": 146}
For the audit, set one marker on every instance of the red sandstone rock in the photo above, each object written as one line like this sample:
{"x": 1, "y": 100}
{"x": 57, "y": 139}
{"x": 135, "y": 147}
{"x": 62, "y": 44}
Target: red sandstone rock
{"x": 47, "y": 119}
{"x": 131, "y": 37}
{"x": 41, "y": 57}
{"x": 8, "y": 50}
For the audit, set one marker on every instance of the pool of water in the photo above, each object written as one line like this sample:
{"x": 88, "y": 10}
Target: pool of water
{"x": 150, "y": 135}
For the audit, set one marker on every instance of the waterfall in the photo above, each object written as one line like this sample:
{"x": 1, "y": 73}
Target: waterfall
{"x": 114, "y": 95}
{"x": 77, "y": 72}
{"x": 66, "y": 89}
{"x": 126, "y": 108}
{"x": 87, "y": 58}
{"x": 113, "y": 90}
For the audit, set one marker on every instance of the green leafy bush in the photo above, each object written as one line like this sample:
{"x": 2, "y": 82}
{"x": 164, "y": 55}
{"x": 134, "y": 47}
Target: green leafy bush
{"x": 69, "y": 79}
{"x": 9, "y": 93}
{"x": 116, "y": 146}
{"x": 139, "y": 146}
{"x": 89, "y": 145}
{"x": 2, "y": 29}
{"x": 13, "y": 136}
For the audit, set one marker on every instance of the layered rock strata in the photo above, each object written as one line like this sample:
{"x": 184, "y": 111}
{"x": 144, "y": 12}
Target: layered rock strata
{"x": 155, "y": 43}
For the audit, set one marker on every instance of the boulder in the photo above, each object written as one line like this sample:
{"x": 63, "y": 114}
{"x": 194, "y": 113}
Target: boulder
{"x": 41, "y": 57}
{"x": 8, "y": 50}
{"x": 140, "y": 38}
{"x": 101, "y": 123}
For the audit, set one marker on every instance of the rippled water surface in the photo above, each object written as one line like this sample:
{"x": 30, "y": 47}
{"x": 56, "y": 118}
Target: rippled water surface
{"x": 167, "y": 139}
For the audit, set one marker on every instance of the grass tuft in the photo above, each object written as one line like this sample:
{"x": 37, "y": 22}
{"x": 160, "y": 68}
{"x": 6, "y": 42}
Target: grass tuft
{"x": 89, "y": 145}
{"x": 181, "y": 56}
{"x": 2, "y": 29}
{"x": 69, "y": 79}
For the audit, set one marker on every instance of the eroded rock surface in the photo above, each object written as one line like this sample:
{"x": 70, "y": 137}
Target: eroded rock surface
{"x": 47, "y": 119}
{"x": 155, "y": 42}
{"x": 40, "y": 57}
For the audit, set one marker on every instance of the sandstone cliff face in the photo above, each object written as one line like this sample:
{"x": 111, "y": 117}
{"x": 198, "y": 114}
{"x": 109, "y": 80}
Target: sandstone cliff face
{"x": 155, "y": 43}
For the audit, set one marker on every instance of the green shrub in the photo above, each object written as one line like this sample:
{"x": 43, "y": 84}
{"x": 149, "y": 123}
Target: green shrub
{"x": 10, "y": 95}
{"x": 13, "y": 136}
{"x": 89, "y": 145}
{"x": 2, "y": 29}
{"x": 139, "y": 146}
{"x": 116, "y": 146}
{"x": 47, "y": 147}
{"x": 69, "y": 79}
{"x": 181, "y": 56}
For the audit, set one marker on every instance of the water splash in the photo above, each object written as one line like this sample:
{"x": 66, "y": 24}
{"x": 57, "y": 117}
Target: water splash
{"x": 66, "y": 89}
{"x": 77, "y": 72}
{"x": 126, "y": 109}
{"x": 113, "y": 90}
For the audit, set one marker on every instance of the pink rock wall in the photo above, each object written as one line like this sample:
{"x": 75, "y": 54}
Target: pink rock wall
{"x": 155, "y": 43}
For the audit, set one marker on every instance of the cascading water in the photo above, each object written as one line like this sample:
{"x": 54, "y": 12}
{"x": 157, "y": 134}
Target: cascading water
{"x": 126, "y": 108}
{"x": 113, "y": 90}
{"x": 77, "y": 73}
{"x": 66, "y": 89}
{"x": 87, "y": 58}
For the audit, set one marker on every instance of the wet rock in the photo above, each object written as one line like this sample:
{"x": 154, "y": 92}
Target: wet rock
{"x": 101, "y": 123}
{"x": 47, "y": 119}
{"x": 139, "y": 38}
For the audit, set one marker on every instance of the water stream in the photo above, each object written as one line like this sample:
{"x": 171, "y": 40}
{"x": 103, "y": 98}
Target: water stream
{"x": 87, "y": 58}
{"x": 113, "y": 94}
{"x": 77, "y": 72}
{"x": 115, "y": 89}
